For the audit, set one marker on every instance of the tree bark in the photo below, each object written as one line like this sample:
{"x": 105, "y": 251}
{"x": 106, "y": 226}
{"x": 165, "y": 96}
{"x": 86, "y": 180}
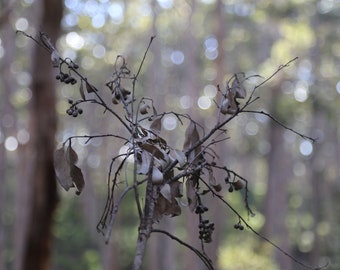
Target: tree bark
{"x": 38, "y": 185}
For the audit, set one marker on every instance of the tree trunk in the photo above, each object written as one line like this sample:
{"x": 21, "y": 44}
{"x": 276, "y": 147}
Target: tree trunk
{"x": 38, "y": 185}
{"x": 276, "y": 200}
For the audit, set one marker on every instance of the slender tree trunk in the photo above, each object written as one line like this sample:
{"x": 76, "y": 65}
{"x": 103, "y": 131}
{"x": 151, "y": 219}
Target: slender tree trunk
{"x": 38, "y": 185}
{"x": 276, "y": 200}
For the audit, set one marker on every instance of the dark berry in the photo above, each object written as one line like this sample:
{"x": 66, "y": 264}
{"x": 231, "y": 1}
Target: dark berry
{"x": 75, "y": 113}
{"x": 58, "y": 77}
{"x": 80, "y": 110}
{"x": 69, "y": 111}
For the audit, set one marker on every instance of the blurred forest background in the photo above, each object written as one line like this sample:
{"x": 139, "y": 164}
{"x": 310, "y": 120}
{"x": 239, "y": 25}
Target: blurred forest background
{"x": 294, "y": 184}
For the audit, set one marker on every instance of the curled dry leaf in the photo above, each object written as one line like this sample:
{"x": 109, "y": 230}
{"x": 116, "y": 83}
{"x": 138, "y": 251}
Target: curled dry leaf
{"x": 81, "y": 90}
{"x": 237, "y": 86}
{"x": 77, "y": 178}
{"x": 157, "y": 176}
{"x": 62, "y": 169}
{"x": 67, "y": 173}
{"x": 191, "y": 193}
{"x": 156, "y": 125}
{"x": 191, "y": 139}
{"x": 180, "y": 156}
{"x": 213, "y": 182}
{"x": 90, "y": 88}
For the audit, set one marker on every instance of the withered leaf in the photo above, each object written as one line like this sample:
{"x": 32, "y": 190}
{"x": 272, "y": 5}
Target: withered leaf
{"x": 156, "y": 125}
{"x": 144, "y": 163}
{"x": 237, "y": 86}
{"x": 70, "y": 155}
{"x": 166, "y": 192}
{"x": 67, "y": 173}
{"x": 81, "y": 90}
{"x": 165, "y": 207}
{"x": 213, "y": 182}
{"x": 191, "y": 138}
{"x": 62, "y": 169}
{"x": 157, "y": 176}
{"x": 77, "y": 178}
{"x": 152, "y": 149}
{"x": 90, "y": 88}
{"x": 191, "y": 194}
{"x": 180, "y": 156}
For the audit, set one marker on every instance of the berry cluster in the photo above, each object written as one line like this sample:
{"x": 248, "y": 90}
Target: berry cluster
{"x": 66, "y": 78}
{"x": 206, "y": 229}
{"x": 239, "y": 226}
{"x": 73, "y": 110}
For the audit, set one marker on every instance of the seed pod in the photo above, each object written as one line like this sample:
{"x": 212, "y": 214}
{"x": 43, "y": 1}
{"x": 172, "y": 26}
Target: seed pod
{"x": 239, "y": 184}
{"x": 144, "y": 109}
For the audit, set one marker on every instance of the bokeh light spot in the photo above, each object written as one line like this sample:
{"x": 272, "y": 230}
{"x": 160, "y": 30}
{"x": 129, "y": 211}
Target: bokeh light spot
{"x": 169, "y": 122}
{"x": 306, "y": 148}
{"x": 204, "y": 102}
{"x": 11, "y": 143}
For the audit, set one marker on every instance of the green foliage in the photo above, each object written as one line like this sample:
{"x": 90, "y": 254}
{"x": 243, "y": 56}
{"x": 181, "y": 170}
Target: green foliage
{"x": 73, "y": 247}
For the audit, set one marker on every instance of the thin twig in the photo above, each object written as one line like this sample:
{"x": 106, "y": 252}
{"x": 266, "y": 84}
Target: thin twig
{"x": 220, "y": 197}
{"x": 313, "y": 140}
{"x": 202, "y": 256}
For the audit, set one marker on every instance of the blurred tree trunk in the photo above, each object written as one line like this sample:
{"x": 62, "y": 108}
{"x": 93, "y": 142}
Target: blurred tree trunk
{"x": 37, "y": 187}
{"x": 7, "y": 127}
{"x": 276, "y": 201}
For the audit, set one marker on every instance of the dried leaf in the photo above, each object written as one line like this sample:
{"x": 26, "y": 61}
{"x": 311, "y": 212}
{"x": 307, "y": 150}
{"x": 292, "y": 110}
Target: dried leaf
{"x": 157, "y": 176}
{"x": 213, "y": 182}
{"x": 71, "y": 156}
{"x": 145, "y": 163}
{"x": 153, "y": 150}
{"x": 55, "y": 58}
{"x": 156, "y": 125}
{"x": 81, "y": 90}
{"x": 225, "y": 106}
{"x": 62, "y": 169}
{"x": 165, "y": 207}
{"x": 166, "y": 192}
{"x": 180, "y": 156}
{"x": 237, "y": 86}
{"x": 90, "y": 88}
{"x": 67, "y": 173}
{"x": 191, "y": 194}
{"x": 77, "y": 178}
{"x": 191, "y": 138}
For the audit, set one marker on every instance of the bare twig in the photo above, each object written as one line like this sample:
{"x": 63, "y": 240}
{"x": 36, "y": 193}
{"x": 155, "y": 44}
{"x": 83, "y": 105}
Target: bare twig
{"x": 202, "y": 256}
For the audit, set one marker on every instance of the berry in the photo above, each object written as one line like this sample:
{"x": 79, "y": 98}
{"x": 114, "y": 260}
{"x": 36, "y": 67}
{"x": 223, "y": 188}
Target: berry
{"x": 80, "y": 110}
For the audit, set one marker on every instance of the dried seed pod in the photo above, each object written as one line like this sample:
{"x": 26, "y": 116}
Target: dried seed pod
{"x": 239, "y": 184}
{"x": 144, "y": 109}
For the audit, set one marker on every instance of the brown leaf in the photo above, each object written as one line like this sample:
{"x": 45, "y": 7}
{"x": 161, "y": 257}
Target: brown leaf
{"x": 191, "y": 138}
{"x": 144, "y": 163}
{"x": 62, "y": 169}
{"x": 191, "y": 193}
{"x": 164, "y": 207}
{"x": 166, "y": 192}
{"x": 90, "y": 88}
{"x": 70, "y": 155}
{"x": 81, "y": 90}
{"x": 77, "y": 178}
{"x": 213, "y": 182}
{"x": 156, "y": 125}
{"x": 157, "y": 176}
{"x": 237, "y": 86}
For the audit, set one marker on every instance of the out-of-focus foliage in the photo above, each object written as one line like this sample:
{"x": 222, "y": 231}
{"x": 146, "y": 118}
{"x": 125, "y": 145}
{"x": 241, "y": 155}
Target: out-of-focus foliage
{"x": 259, "y": 36}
